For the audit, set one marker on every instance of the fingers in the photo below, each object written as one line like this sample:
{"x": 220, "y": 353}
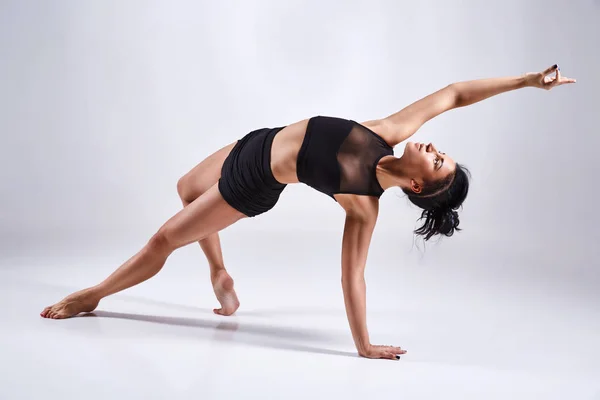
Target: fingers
{"x": 551, "y": 69}
{"x": 564, "y": 79}
{"x": 551, "y": 81}
{"x": 395, "y": 350}
{"x": 384, "y": 352}
{"x": 559, "y": 79}
{"x": 556, "y": 77}
{"x": 392, "y": 353}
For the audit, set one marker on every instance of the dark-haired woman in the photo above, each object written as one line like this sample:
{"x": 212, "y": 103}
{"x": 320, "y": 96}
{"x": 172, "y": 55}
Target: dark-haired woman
{"x": 353, "y": 163}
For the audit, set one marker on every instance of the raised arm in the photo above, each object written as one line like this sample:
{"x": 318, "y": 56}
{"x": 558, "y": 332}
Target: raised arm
{"x": 358, "y": 230}
{"x": 407, "y": 121}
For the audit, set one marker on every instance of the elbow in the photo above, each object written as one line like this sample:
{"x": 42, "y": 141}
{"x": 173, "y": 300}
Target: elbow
{"x": 455, "y": 95}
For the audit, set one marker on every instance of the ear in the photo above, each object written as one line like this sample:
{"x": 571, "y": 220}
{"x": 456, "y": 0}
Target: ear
{"x": 415, "y": 186}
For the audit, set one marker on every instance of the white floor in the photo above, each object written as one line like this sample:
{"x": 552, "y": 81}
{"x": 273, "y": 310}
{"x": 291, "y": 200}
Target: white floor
{"x": 467, "y": 337}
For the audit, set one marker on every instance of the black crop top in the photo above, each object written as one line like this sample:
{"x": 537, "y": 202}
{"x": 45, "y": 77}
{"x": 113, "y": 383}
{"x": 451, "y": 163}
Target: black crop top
{"x": 340, "y": 156}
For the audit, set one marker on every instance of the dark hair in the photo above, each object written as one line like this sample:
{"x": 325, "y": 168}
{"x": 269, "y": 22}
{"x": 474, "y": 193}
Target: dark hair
{"x": 439, "y": 201}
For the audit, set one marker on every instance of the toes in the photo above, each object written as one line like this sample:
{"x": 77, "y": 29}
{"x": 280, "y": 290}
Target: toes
{"x": 62, "y": 315}
{"x": 222, "y": 311}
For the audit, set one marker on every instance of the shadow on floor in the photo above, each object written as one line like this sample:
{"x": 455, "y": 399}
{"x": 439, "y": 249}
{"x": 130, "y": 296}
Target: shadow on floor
{"x": 245, "y": 332}
{"x": 250, "y": 334}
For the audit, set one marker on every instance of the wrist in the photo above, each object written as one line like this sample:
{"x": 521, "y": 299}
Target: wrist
{"x": 526, "y": 80}
{"x": 363, "y": 349}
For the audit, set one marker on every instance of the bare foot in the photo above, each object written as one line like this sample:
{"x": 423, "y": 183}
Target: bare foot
{"x": 71, "y": 305}
{"x": 223, "y": 287}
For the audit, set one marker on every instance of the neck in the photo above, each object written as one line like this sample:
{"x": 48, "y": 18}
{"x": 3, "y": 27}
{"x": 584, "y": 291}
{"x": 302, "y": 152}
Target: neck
{"x": 391, "y": 171}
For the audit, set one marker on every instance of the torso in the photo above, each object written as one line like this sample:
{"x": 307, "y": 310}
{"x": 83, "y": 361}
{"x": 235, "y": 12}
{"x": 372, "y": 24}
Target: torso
{"x": 286, "y": 146}
{"x": 287, "y": 143}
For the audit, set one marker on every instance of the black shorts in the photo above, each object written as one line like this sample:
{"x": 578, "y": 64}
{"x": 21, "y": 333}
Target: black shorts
{"x": 247, "y": 182}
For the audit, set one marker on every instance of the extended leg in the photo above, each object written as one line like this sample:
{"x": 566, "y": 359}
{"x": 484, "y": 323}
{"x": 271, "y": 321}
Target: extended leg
{"x": 206, "y": 215}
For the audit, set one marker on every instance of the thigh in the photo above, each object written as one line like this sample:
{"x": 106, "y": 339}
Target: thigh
{"x": 207, "y": 214}
{"x": 204, "y": 175}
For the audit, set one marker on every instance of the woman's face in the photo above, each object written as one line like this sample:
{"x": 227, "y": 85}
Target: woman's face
{"x": 426, "y": 164}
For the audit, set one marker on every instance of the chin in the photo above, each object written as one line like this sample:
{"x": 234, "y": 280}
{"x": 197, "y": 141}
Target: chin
{"x": 410, "y": 146}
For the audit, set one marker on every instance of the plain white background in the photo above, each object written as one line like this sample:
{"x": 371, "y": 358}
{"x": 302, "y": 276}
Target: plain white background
{"x": 104, "y": 105}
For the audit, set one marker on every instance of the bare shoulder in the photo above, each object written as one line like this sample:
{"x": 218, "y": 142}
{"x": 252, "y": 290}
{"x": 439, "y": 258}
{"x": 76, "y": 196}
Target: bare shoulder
{"x": 365, "y": 208}
{"x": 384, "y": 128}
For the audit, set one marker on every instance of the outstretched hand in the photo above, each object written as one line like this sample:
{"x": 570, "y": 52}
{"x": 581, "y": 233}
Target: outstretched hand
{"x": 543, "y": 80}
{"x": 389, "y": 352}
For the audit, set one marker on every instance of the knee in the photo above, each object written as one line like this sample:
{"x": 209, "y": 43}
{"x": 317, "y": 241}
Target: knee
{"x": 188, "y": 189}
{"x": 162, "y": 242}
{"x": 181, "y": 187}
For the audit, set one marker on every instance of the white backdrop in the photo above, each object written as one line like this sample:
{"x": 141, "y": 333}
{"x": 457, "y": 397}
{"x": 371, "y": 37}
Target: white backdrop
{"x": 105, "y": 105}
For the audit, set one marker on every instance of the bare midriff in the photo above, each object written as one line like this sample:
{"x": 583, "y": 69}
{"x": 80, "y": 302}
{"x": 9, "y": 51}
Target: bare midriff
{"x": 287, "y": 143}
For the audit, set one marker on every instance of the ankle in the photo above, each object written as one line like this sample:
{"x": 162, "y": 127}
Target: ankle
{"x": 95, "y": 293}
{"x": 216, "y": 270}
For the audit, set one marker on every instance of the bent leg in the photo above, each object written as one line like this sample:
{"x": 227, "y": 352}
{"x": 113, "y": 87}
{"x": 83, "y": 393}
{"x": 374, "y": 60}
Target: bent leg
{"x": 204, "y": 216}
{"x": 191, "y": 186}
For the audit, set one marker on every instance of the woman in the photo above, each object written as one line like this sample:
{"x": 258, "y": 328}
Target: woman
{"x": 350, "y": 162}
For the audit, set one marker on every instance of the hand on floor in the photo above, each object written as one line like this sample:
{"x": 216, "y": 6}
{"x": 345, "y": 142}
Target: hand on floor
{"x": 389, "y": 352}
